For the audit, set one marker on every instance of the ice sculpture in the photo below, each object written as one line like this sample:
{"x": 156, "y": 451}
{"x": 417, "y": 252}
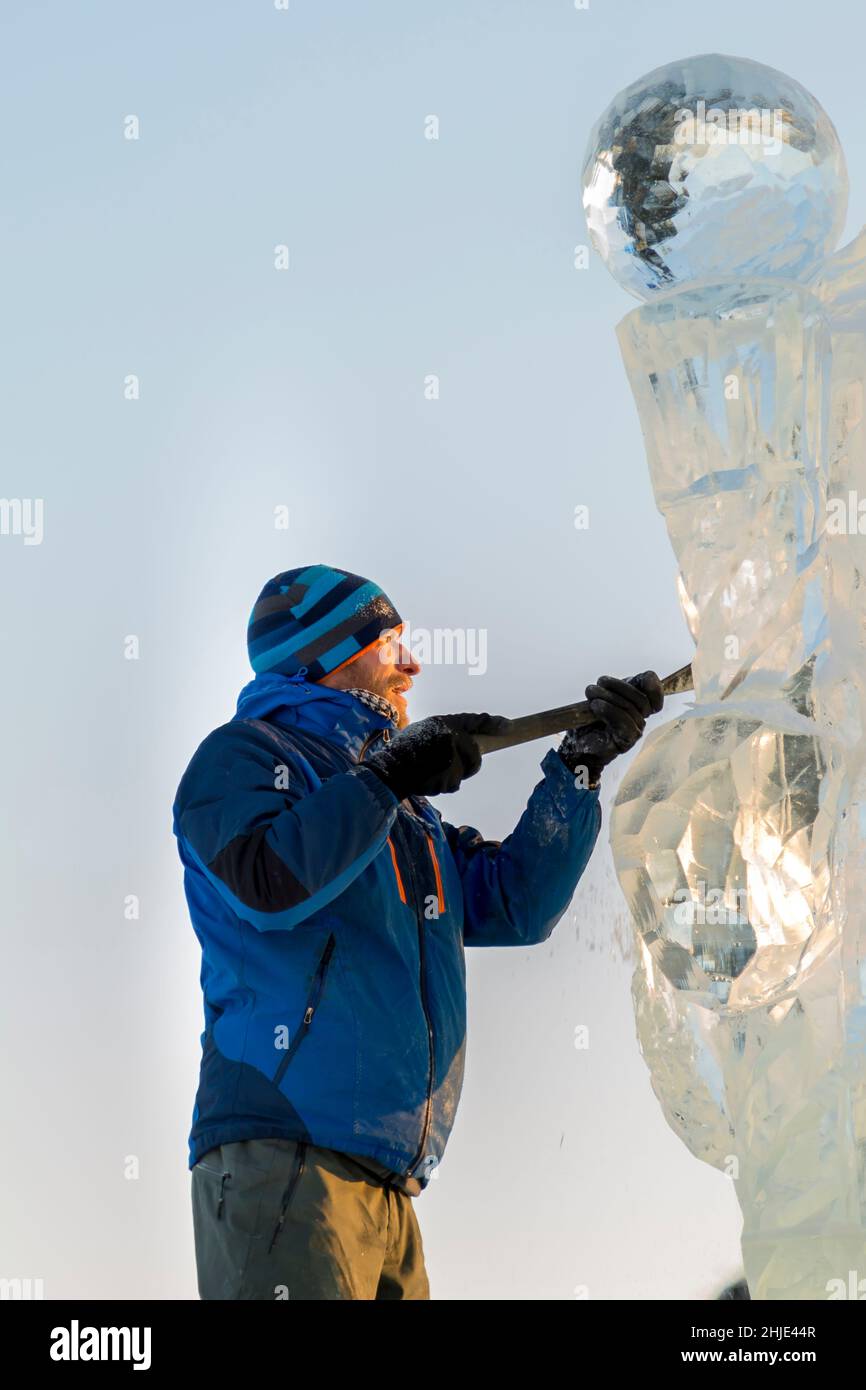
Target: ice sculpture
{"x": 715, "y": 189}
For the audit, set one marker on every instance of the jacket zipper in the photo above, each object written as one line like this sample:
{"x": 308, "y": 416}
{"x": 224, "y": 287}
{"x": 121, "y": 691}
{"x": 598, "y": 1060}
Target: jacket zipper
{"x": 312, "y": 1004}
{"x": 386, "y": 738}
{"x": 439, "y": 889}
{"x": 428, "y": 1109}
{"x": 397, "y": 870}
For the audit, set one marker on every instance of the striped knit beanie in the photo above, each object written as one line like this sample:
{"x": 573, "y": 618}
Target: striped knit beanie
{"x": 314, "y": 620}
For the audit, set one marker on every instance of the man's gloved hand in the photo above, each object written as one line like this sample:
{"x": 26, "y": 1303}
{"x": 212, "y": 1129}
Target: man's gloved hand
{"x": 432, "y": 756}
{"x": 474, "y": 723}
{"x": 622, "y": 709}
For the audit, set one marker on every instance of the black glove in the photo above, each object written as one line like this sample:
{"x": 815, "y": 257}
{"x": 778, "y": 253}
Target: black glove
{"x": 432, "y": 756}
{"x": 474, "y": 723}
{"x": 621, "y": 709}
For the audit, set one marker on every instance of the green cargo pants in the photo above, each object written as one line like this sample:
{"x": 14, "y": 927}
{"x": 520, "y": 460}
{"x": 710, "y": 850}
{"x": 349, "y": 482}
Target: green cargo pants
{"x": 280, "y": 1219}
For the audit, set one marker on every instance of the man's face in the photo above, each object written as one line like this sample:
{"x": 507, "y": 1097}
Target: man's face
{"x": 386, "y": 670}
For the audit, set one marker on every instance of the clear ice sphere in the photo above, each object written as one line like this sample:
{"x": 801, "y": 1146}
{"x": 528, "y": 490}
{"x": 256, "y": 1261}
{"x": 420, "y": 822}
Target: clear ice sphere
{"x": 712, "y": 167}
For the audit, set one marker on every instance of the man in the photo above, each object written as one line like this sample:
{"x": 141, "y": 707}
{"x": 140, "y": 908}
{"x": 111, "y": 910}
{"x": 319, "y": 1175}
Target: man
{"x": 332, "y": 904}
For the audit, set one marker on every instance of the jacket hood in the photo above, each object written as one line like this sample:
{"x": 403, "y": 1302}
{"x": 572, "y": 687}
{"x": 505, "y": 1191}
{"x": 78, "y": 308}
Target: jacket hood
{"x": 295, "y": 702}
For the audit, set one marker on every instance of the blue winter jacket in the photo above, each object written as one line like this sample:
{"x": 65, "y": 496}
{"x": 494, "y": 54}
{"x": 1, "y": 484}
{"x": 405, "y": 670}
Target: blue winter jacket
{"x": 332, "y": 922}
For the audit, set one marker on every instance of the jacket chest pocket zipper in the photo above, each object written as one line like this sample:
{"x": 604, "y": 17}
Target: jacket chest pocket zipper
{"x": 312, "y": 1004}
{"x": 440, "y": 892}
{"x": 397, "y": 873}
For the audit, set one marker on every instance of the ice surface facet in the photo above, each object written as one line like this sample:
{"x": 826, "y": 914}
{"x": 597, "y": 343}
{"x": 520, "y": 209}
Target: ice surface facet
{"x": 739, "y": 830}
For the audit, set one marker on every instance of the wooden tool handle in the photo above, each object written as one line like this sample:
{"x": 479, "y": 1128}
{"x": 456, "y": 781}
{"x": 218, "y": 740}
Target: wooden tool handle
{"x": 557, "y": 721}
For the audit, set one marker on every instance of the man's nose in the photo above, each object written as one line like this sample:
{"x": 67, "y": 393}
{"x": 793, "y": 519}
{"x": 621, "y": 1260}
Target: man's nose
{"x": 406, "y": 661}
